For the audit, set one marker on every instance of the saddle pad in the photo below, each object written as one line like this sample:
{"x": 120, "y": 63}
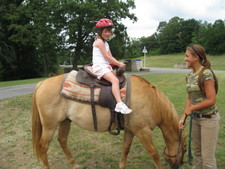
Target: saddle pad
{"x": 71, "y": 89}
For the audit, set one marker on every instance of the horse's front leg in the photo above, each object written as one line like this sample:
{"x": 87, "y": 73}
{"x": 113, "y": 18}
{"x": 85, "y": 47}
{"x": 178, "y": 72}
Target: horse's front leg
{"x": 145, "y": 137}
{"x": 128, "y": 137}
{"x": 64, "y": 129}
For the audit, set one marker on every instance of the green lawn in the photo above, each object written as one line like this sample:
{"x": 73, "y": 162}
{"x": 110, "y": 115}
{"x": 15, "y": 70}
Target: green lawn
{"x": 20, "y": 82}
{"x": 168, "y": 61}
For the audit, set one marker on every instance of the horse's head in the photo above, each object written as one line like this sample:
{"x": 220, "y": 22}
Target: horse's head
{"x": 176, "y": 160}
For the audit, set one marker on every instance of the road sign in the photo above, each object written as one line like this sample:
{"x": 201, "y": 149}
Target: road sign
{"x": 144, "y": 51}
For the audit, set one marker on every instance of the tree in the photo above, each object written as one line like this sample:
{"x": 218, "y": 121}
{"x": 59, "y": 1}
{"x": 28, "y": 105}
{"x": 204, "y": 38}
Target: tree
{"x": 169, "y": 37}
{"x": 35, "y": 33}
{"x": 214, "y": 41}
{"x": 200, "y": 36}
{"x": 161, "y": 26}
{"x": 16, "y": 46}
{"x": 81, "y": 16}
{"x": 134, "y": 48}
{"x": 188, "y": 29}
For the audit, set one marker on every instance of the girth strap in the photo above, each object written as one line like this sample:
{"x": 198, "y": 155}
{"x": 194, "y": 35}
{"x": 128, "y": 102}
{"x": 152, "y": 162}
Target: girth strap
{"x": 92, "y": 87}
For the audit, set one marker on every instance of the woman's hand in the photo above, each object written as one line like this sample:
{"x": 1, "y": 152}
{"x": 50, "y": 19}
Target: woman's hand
{"x": 182, "y": 122}
{"x": 188, "y": 111}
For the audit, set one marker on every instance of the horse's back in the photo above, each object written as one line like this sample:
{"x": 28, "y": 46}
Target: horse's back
{"x": 54, "y": 108}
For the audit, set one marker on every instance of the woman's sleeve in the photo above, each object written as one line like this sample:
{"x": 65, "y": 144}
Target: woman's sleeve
{"x": 208, "y": 75}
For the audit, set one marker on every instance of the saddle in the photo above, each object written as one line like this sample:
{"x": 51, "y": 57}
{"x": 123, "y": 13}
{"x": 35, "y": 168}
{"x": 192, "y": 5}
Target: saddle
{"x": 86, "y": 76}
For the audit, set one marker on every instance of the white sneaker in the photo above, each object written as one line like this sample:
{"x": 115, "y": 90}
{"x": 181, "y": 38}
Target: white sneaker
{"x": 122, "y": 108}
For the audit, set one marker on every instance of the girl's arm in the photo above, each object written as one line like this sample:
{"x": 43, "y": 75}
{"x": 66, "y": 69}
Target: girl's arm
{"x": 107, "y": 55}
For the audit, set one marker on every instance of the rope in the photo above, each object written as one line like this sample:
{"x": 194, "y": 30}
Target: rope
{"x": 190, "y": 157}
{"x": 176, "y": 166}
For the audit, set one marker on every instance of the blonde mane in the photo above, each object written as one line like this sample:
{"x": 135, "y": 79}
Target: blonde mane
{"x": 168, "y": 112}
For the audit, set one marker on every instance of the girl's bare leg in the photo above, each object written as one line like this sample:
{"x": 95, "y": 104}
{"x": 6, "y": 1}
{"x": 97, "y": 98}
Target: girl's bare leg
{"x": 109, "y": 76}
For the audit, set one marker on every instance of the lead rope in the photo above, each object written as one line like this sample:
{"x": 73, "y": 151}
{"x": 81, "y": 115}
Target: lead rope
{"x": 176, "y": 166}
{"x": 190, "y": 157}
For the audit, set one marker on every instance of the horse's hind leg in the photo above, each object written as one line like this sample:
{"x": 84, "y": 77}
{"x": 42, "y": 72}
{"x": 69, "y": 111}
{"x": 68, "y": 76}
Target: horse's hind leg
{"x": 128, "y": 137}
{"x": 145, "y": 137}
{"x": 64, "y": 129}
{"x": 45, "y": 140}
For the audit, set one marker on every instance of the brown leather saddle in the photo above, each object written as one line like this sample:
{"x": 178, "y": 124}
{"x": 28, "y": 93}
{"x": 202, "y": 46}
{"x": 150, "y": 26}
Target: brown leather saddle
{"x": 86, "y": 76}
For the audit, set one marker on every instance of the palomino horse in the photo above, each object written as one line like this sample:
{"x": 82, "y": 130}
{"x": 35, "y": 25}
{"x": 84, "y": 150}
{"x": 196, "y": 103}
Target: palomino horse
{"x": 150, "y": 107}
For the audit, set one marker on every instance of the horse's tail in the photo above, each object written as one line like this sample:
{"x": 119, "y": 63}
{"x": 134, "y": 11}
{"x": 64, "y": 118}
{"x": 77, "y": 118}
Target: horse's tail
{"x": 36, "y": 124}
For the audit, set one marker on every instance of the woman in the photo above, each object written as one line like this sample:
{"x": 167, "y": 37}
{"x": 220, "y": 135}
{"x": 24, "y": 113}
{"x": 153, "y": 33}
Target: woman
{"x": 101, "y": 59}
{"x": 201, "y": 85}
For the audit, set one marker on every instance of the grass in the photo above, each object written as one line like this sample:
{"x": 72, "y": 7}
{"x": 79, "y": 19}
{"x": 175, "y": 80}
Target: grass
{"x": 92, "y": 150}
{"x": 168, "y": 61}
{"x": 20, "y": 82}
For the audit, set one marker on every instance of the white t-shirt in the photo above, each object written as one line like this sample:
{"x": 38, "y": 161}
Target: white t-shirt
{"x": 97, "y": 57}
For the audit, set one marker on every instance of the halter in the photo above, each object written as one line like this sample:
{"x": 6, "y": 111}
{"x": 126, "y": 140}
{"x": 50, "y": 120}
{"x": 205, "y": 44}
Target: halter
{"x": 176, "y": 165}
{"x": 171, "y": 156}
{"x": 179, "y": 150}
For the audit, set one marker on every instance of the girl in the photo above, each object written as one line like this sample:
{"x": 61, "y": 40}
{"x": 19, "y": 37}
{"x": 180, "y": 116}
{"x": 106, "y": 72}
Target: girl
{"x": 101, "y": 59}
{"x": 201, "y": 106}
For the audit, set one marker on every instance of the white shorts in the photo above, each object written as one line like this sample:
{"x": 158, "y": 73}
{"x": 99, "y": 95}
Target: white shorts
{"x": 101, "y": 69}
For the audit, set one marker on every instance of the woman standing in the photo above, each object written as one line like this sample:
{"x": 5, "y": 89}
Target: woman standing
{"x": 202, "y": 86}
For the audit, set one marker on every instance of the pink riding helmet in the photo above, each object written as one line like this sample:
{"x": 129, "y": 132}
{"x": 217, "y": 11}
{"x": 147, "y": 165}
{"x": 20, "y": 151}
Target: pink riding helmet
{"x": 103, "y": 23}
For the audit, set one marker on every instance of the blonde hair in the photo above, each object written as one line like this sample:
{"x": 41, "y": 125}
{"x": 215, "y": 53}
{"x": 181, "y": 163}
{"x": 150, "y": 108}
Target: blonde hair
{"x": 198, "y": 50}
{"x": 99, "y": 33}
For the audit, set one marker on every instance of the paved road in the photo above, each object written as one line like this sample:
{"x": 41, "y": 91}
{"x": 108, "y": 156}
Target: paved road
{"x": 20, "y": 90}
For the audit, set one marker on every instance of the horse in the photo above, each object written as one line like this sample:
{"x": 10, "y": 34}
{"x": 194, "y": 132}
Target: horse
{"x": 151, "y": 108}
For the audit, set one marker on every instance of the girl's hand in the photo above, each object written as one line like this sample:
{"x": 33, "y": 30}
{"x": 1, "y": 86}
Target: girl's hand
{"x": 121, "y": 64}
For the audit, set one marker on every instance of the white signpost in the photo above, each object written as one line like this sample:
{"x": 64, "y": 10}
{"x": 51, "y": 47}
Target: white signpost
{"x": 144, "y": 51}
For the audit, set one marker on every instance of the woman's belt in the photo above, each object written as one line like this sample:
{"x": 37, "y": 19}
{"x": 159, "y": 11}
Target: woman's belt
{"x": 198, "y": 115}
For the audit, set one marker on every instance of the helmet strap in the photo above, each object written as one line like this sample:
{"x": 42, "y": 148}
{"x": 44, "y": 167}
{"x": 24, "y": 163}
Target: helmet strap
{"x": 100, "y": 35}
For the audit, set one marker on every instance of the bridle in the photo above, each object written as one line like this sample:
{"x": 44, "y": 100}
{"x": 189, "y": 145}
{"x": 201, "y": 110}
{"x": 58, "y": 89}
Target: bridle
{"x": 183, "y": 150}
{"x": 171, "y": 156}
{"x": 179, "y": 150}
{"x": 176, "y": 165}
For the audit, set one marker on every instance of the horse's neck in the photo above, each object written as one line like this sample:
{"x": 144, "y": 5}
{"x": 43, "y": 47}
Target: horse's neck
{"x": 170, "y": 133}
{"x": 169, "y": 125}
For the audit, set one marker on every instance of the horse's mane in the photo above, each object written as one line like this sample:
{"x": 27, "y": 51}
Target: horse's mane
{"x": 164, "y": 105}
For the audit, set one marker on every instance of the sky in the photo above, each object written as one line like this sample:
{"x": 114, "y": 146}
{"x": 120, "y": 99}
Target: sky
{"x": 151, "y": 12}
